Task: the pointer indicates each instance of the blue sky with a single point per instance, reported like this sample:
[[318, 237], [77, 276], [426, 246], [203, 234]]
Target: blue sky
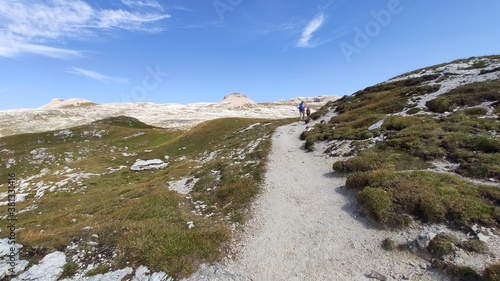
[[198, 51]]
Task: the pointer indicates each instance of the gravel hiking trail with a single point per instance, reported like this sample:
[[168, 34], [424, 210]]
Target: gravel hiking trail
[[306, 225]]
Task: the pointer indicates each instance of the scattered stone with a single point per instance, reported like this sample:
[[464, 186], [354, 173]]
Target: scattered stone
[[7, 269], [190, 224], [142, 165], [110, 276], [376, 125], [49, 268], [182, 186], [142, 274], [407, 276], [482, 237], [424, 239], [377, 275]]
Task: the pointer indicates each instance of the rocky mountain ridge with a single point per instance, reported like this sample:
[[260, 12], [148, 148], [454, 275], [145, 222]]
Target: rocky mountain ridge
[[60, 114]]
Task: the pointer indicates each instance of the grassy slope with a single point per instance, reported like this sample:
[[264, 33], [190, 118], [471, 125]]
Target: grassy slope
[[392, 189], [133, 213]]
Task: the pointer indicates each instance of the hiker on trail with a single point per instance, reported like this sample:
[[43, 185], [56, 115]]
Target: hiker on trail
[[302, 108], [308, 111]]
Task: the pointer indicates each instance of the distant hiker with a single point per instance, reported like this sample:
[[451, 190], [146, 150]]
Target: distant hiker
[[308, 111], [302, 108]]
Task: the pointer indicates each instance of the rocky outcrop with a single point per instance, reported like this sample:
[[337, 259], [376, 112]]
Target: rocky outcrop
[[236, 100]]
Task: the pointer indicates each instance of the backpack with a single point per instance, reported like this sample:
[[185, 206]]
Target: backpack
[[301, 106]]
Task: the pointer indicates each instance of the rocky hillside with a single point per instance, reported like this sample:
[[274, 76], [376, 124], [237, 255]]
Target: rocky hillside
[[424, 147], [61, 114]]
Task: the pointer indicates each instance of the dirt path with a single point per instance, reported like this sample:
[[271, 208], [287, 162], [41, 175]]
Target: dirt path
[[307, 226]]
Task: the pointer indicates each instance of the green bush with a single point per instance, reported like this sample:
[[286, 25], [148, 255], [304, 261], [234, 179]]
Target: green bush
[[69, 269], [377, 203], [442, 245], [338, 167], [309, 144]]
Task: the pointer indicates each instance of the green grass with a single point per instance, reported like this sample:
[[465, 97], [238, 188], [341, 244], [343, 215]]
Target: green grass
[[390, 197], [133, 213]]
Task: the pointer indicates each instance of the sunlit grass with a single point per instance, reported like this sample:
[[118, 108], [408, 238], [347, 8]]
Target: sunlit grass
[[134, 214]]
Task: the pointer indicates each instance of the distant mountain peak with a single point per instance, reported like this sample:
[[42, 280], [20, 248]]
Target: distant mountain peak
[[73, 102], [236, 100]]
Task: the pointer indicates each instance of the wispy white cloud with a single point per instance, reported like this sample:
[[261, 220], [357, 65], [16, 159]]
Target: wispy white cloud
[[39, 24], [310, 29], [11, 47], [95, 75], [180, 8], [111, 19], [138, 3]]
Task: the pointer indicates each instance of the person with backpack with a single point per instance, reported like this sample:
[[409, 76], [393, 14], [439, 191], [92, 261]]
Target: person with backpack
[[302, 109]]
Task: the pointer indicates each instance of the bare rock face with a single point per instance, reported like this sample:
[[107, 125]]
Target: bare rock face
[[236, 100]]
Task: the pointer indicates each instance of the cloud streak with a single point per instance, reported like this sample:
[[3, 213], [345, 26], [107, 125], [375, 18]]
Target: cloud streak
[[150, 3], [95, 75], [35, 26], [310, 29]]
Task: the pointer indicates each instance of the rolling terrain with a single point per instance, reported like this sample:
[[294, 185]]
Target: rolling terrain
[[108, 193]]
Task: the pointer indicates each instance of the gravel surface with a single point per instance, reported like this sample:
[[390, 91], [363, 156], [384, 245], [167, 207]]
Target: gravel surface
[[307, 226]]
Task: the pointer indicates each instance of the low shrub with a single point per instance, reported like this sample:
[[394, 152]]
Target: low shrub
[[377, 203], [475, 246], [309, 144], [388, 244], [413, 110], [442, 245], [69, 269], [428, 196], [475, 111], [492, 272], [465, 273]]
